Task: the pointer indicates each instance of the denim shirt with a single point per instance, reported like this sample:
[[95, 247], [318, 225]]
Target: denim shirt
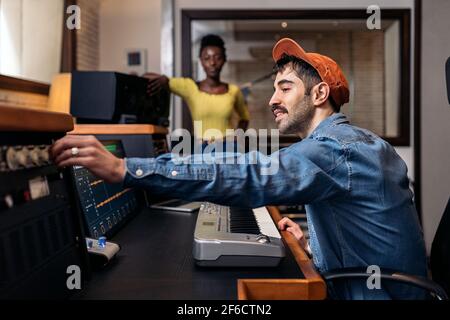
[[354, 186]]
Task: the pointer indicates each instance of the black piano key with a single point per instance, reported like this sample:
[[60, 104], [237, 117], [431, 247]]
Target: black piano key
[[242, 220]]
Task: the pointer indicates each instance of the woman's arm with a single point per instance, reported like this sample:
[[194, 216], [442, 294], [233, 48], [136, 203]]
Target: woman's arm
[[242, 110]]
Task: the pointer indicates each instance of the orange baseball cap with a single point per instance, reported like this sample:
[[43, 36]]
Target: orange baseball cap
[[329, 71]]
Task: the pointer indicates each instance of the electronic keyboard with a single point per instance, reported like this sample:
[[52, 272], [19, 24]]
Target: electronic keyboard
[[236, 237]]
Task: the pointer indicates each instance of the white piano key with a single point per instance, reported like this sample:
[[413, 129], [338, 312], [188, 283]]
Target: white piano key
[[265, 222]]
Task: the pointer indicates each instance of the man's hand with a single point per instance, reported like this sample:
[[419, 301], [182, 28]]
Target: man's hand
[[156, 82], [91, 154], [290, 226]]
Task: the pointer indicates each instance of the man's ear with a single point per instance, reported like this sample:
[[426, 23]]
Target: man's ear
[[320, 93]]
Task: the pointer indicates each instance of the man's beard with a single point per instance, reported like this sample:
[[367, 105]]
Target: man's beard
[[299, 118]]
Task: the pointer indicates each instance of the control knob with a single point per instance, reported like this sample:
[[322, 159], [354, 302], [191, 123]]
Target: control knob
[[17, 157], [39, 155]]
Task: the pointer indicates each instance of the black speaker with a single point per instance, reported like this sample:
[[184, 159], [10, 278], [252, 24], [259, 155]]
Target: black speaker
[[112, 97], [447, 77]]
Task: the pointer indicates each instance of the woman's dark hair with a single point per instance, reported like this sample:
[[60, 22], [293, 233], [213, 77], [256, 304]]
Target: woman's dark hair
[[212, 40]]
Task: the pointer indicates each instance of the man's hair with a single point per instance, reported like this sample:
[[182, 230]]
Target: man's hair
[[213, 40], [305, 72]]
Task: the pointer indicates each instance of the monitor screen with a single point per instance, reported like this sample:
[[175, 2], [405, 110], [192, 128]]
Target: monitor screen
[[105, 207]]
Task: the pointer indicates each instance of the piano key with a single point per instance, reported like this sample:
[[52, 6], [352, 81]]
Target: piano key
[[265, 222], [242, 220]]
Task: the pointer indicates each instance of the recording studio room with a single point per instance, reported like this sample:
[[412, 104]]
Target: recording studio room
[[208, 150]]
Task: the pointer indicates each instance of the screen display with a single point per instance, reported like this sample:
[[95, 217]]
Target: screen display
[[105, 206]]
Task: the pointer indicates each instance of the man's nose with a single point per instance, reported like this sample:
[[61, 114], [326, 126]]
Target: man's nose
[[274, 100]]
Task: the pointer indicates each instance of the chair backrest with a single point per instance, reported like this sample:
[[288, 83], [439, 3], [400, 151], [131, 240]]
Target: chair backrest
[[447, 78], [440, 252]]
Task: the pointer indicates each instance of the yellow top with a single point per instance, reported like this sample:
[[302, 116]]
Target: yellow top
[[213, 110]]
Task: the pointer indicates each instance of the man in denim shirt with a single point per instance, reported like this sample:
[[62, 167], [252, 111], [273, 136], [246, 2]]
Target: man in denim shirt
[[358, 202]]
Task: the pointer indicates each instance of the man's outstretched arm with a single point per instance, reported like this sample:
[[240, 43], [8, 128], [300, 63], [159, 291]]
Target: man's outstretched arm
[[250, 180]]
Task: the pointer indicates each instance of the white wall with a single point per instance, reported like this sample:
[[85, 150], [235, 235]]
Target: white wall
[[30, 38], [130, 24], [435, 114], [10, 37], [42, 38]]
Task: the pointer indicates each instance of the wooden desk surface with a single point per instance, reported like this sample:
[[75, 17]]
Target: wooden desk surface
[[25, 119], [118, 129]]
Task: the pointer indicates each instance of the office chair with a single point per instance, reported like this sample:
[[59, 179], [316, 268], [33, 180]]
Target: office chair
[[439, 261], [440, 251], [447, 77]]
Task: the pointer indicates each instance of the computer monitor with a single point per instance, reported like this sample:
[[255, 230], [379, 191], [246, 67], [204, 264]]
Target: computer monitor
[[105, 207]]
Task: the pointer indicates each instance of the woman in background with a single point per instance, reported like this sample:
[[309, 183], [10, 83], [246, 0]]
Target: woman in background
[[210, 101]]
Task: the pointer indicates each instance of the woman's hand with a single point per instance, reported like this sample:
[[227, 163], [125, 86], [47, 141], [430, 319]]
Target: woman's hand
[[88, 152], [156, 82], [292, 227]]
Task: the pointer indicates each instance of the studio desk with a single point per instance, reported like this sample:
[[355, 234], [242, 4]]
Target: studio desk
[[156, 262]]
